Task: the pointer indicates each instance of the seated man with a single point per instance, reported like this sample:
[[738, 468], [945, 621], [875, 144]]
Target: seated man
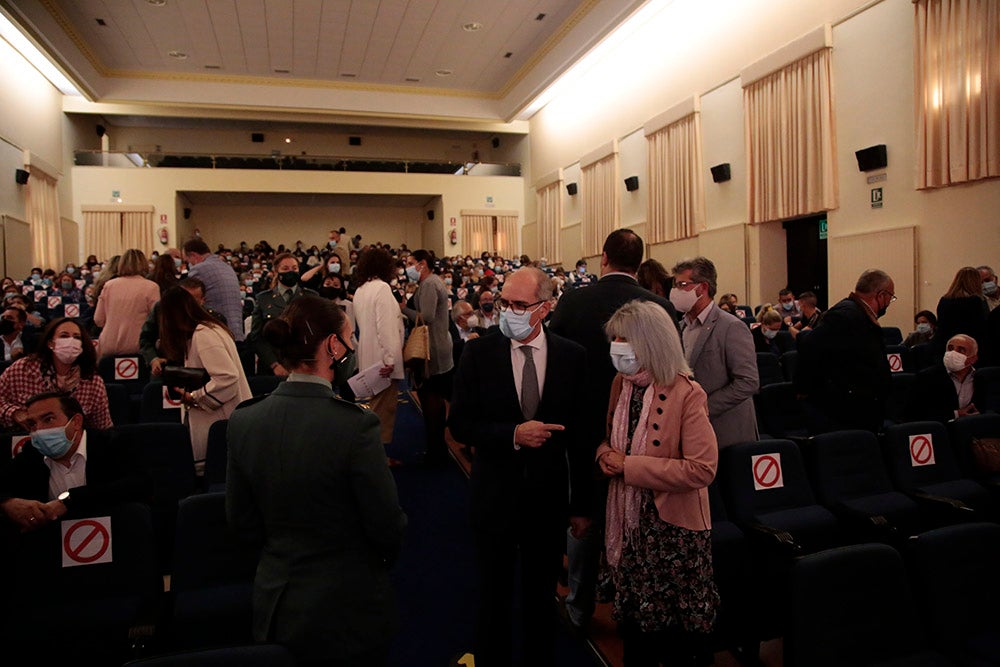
[[810, 314], [945, 391], [789, 307], [66, 470], [12, 322], [486, 315]]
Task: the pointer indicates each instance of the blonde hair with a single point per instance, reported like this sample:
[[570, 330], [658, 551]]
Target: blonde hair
[[653, 337], [967, 282], [769, 316], [133, 263]]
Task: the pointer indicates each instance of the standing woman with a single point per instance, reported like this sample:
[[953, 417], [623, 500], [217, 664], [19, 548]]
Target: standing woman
[[164, 272], [269, 305], [962, 310], [124, 304], [380, 327], [308, 478], [188, 332], [660, 454]]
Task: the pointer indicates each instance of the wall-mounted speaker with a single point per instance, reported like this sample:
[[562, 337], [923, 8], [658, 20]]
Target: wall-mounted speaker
[[430, 214], [21, 176], [632, 183], [873, 157], [571, 189], [187, 213], [721, 173], [354, 141], [257, 137], [496, 142], [101, 130]]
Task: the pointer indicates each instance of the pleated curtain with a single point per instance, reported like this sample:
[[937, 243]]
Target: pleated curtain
[[477, 234], [102, 233], [676, 193], [508, 236], [42, 207], [601, 206], [957, 70], [548, 203], [790, 141], [137, 230]]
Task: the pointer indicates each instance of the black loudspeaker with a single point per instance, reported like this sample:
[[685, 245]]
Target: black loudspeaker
[[632, 183], [571, 189], [871, 158], [354, 141], [257, 137], [496, 142], [101, 130], [430, 214], [21, 176], [187, 213], [720, 173]]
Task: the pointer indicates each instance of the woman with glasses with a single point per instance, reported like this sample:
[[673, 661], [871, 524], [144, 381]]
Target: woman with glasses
[[660, 455], [308, 478]]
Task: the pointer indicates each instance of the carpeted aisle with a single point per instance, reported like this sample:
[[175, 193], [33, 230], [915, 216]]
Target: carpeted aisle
[[435, 575]]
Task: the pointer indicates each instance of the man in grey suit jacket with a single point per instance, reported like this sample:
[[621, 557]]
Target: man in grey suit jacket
[[720, 351]]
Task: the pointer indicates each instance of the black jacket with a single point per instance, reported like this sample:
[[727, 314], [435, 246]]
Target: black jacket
[[933, 397]]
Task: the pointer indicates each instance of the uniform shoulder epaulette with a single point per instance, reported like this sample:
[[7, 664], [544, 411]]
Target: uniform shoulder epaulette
[[251, 401], [353, 405]]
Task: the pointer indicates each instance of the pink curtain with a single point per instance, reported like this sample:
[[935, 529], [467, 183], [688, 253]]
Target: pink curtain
[[548, 202], [676, 193], [42, 205]]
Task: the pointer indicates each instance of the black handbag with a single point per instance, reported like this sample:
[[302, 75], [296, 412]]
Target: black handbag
[[184, 377]]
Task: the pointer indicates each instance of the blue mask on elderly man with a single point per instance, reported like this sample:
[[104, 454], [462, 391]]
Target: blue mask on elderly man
[[515, 327], [51, 442]]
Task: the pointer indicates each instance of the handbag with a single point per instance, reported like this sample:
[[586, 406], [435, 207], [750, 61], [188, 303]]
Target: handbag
[[418, 345], [986, 452], [187, 378]]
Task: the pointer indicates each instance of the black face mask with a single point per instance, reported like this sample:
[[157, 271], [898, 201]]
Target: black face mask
[[487, 307], [344, 367], [288, 278], [331, 292], [6, 327]]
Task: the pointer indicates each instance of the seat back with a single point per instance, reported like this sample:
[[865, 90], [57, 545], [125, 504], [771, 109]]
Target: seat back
[[788, 361], [900, 388], [892, 335], [900, 359], [779, 413], [987, 388], [769, 369], [848, 604], [923, 356], [206, 552], [956, 581], [119, 403], [152, 407], [763, 476], [963, 431], [918, 454], [130, 370], [216, 455], [844, 465]]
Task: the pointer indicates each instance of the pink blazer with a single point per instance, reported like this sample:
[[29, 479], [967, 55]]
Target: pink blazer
[[682, 453]]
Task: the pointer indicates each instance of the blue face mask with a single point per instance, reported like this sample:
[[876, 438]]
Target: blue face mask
[[788, 305], [923, 327], [332, 243], [177, 262], [412, 273], [70, 270], [515, 327], [47, 282], [51, 442], [623, 358]]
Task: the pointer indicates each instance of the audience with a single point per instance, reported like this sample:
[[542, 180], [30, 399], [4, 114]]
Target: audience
[[12, 322], [654, 276], [990, 289], [768, 335], [810, 315], [790, 310]]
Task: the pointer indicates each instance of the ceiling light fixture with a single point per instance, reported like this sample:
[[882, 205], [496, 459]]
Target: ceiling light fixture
[[413, 79], [156, 3], [35, 57], [101, 22], [444, 72], [348, 75], [288, 140], [178, 55], [472, 27]]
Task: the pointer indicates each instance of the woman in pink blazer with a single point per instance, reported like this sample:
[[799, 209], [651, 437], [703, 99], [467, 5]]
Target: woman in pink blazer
[[660, 455]]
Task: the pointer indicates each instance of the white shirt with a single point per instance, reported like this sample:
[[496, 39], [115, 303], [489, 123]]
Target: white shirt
[[691, 330], [11, 347], [62, 478]]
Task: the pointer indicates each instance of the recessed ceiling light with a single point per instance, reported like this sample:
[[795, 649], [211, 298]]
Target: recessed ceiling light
[[444, 72], [472, 27], [213, 66], [540, 17], [179, 55], [156, 3], [508, 54], [281, 71], [288, 140], [413, 79]]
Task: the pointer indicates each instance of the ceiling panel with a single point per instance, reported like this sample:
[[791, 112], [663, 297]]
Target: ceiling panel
[[253, 32], [306, 30], [280, 33]]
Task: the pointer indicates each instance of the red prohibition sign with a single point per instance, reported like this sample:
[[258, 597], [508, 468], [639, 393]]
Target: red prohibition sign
[[762, 470], [895, 363], [921, 450], [127, 368], [170, 401], [98, 530]]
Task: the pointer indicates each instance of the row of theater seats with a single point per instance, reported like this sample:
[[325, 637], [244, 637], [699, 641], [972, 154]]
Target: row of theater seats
[[776, 501]]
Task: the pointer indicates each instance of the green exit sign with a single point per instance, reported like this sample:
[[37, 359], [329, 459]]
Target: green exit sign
[[822, 230]]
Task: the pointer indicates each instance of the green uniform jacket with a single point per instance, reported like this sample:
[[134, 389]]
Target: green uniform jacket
[[267, 306], [308, 477]]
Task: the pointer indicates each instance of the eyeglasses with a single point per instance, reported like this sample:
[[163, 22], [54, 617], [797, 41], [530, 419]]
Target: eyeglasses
[[892, 297], [517, 307], [685, 284]]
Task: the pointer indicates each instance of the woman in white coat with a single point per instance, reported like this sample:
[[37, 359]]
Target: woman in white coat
[[380, 330], [188, 332]]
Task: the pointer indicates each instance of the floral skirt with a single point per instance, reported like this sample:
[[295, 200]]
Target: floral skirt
[[664, 578]]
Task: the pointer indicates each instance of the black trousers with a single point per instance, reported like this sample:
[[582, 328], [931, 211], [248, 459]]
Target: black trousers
[[434, 395]]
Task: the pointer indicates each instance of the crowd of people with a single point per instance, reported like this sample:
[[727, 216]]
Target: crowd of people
[[598, 473]]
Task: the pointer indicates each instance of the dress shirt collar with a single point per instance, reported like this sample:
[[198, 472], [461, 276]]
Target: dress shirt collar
[[538, 343], [306, 377]]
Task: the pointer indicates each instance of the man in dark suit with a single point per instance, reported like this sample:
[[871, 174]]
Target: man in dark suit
[[66, 470], [581, 316], [946, 391], [531, 468]]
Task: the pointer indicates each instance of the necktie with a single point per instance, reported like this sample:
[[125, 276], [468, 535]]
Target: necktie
[[529, 384], [288, 296]]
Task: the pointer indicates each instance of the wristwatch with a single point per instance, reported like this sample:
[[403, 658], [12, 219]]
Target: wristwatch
[[64, 498]]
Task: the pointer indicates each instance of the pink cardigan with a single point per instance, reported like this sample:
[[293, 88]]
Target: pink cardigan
[[121, 311], [682, 453]]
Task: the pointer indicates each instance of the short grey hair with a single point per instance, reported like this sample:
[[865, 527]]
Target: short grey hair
[[988, 269], [969, 341], [459, 309], [702, 271], [871, 281], [653, 337]]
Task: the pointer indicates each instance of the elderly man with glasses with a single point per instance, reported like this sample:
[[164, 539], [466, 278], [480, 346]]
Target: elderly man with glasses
[[843, 373]]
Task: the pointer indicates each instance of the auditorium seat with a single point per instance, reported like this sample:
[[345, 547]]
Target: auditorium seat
[[892, 336], [962, 432], [211, 582], [216, 456], [789, 360], [151, 408], [923, 465], [767, 492], [924, 356], [119, 403], [987, 384], [853, 605], [905, 357], [133, 371], [769, 369], [779, 412], [957, 585], [900, 388], [850, 479]]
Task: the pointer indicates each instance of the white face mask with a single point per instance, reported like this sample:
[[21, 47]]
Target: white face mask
[[769, 333], [623, 358], [683, 300], [954, 361]]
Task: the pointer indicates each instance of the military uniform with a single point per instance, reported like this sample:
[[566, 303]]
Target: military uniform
[[269, 305]]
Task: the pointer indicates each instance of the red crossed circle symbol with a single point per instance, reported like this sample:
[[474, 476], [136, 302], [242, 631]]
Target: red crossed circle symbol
[[97, 531], [921, 449], [895, 363], [766, 471], [127, 368]]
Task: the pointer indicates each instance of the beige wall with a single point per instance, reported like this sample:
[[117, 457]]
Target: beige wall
[[667, 61], [159, 188]]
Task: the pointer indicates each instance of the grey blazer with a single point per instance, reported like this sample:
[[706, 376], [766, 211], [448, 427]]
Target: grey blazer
[[724, 362], [431, 300]]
